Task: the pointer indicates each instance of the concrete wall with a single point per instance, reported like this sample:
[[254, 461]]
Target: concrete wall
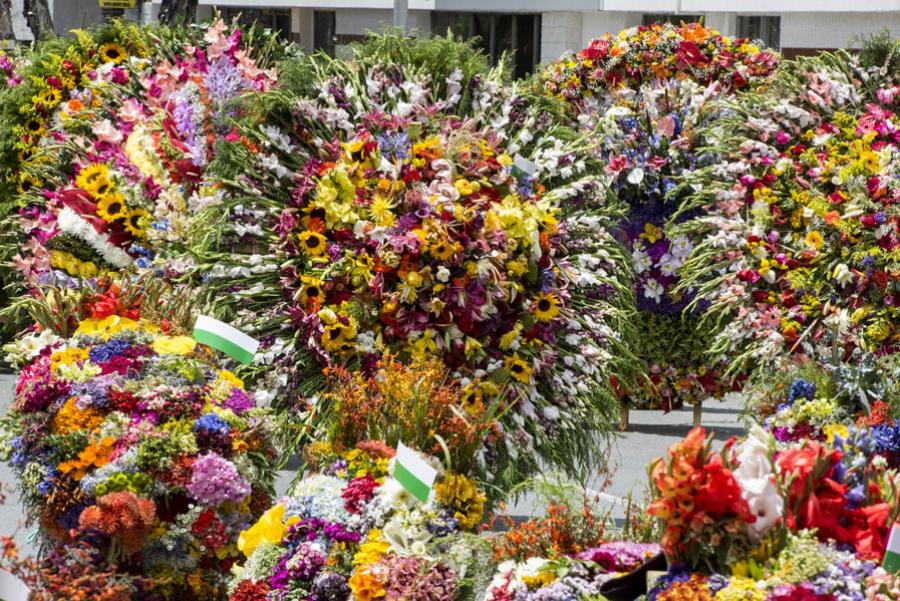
[[74, 14], [805, 30], [349, 22]]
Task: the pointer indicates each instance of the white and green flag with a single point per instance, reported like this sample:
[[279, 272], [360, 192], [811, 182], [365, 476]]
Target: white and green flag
[[225, 338], [892, 555], [413, 473]]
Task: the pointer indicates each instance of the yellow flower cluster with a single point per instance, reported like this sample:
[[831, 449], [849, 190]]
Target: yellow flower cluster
[[74, 266], [462, 495], [72, 419]]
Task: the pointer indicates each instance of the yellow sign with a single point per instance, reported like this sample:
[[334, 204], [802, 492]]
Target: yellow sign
[[117, 3]]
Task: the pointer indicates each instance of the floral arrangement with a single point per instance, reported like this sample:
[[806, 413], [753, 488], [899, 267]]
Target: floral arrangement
[[415, 404], [802, 219], [642, 95], [743, 503], [129, 439], [415, 211], [804, 569], [122, 167], [579, 578], [350, 530], [651, 53]]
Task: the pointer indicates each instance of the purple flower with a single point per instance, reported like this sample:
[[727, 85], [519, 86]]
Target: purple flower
[[215, 480]]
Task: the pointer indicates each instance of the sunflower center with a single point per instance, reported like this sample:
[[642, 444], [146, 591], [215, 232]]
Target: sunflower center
[[112, 54], [516, 368], [34, 125], [312, 241], [114, 208], [312, 292], [544, 305]]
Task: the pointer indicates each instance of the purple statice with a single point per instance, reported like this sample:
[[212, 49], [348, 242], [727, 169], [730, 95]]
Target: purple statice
[[238, 400], [223, 81], [215, 480], [843, 578], [620, 556]]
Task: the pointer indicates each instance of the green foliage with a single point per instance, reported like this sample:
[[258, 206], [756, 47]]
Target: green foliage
[[880, 50]]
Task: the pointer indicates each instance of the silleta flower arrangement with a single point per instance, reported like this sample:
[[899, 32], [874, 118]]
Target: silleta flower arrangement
[[129, 438], [804, 569], [803, 221], [349, 530], [122, 167], [417, 211], [642, 95]]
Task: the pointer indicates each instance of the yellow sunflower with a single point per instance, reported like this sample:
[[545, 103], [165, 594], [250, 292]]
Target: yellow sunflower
[[339, 336], [89, 176], [27, 182], [112, 52], [25, 155], [133, 222], [442, 250], [312, 243], [312, 293], [518, 368], [313, 212], [546, 306], [112, 207], [50, 97], [34, 126]]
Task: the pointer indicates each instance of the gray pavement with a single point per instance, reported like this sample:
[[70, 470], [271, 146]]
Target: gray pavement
[[648, 437]]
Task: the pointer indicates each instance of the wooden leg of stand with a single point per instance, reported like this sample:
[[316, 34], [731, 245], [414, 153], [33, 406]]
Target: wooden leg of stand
[[623, 416], [698, 414]]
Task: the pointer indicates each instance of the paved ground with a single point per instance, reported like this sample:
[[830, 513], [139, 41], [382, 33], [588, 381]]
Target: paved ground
[[650, 434]]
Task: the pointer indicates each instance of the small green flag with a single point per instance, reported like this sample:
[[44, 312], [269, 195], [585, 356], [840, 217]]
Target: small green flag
[[225, 338], [413, 473], [892, 555]]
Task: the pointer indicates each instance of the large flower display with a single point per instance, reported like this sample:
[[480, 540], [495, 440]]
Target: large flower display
[[121, 168], [396, 208], [643, 94], [803, 230], [351, 531], [128, 438]]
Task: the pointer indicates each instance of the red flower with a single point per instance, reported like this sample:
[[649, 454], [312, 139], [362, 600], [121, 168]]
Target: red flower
[[358, 492]]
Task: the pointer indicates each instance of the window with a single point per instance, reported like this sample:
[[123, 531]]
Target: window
[[324, 31], [496, 33], [276, 19], [651, 18], [762, 28]]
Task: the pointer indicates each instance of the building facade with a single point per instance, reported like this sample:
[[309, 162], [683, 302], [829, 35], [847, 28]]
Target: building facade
[[535, 31]]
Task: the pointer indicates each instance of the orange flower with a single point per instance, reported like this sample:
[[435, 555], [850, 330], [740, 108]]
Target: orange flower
[[367, 584]]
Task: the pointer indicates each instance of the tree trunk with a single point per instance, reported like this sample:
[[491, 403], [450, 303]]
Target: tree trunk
[[177, 12], [37, 15], [6, 28]]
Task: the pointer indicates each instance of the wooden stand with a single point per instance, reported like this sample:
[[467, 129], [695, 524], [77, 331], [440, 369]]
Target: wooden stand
[[623, 416], [698, 414]]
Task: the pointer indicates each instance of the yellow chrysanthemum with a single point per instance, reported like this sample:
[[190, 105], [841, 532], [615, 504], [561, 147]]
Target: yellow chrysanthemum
[[72, 419], [174, 345], [68, 356]]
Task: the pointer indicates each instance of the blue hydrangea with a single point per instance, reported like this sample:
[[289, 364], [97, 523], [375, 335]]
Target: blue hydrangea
[[211, 423], [102, 353], [801, 389]]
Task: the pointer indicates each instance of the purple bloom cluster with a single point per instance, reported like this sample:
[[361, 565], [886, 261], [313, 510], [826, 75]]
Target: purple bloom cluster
[[620, 556], [215, 480]]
